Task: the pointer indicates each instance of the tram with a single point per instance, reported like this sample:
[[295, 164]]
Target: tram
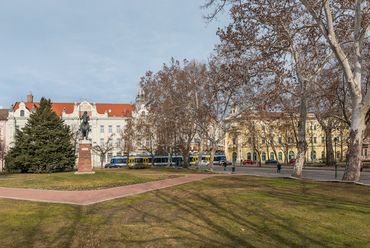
[[160, 160]]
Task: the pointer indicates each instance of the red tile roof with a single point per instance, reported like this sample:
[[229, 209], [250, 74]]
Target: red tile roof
[[117, 110]]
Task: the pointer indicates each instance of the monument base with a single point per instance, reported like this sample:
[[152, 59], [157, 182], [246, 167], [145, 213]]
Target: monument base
[[84, 158]]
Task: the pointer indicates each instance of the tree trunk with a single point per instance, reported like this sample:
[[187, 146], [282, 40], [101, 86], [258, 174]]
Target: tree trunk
[[302, 144], [200, 152], [330, 159], [352, 170], [213, 152]]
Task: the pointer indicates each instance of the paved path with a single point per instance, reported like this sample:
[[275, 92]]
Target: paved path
[[94, 196]]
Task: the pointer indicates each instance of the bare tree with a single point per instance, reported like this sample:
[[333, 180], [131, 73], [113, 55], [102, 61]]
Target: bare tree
[[103, 149], [128, 137], [279, 45], [3, 153]]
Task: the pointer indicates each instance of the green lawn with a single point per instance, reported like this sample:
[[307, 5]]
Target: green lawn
[[235, 211], [103, 178]]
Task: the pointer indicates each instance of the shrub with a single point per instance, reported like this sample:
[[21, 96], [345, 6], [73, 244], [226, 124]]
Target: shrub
[[139, 166]]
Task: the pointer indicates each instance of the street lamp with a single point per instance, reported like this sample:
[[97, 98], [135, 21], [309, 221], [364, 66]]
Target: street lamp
[[311, 142], [335, 154]]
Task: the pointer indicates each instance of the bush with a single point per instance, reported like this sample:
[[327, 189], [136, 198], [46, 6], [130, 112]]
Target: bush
[[139, 166]]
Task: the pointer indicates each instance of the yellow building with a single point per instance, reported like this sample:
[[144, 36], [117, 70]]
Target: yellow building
[[274, 137]]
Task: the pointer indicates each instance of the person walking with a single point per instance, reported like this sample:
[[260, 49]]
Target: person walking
[[278, 167], [362, 166], [224, 164]]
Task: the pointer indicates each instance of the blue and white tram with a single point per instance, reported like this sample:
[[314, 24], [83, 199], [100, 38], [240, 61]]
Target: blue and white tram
[[160, 160]]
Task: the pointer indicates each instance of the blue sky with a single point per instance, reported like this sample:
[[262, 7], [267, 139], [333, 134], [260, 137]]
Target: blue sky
[[69, 50]]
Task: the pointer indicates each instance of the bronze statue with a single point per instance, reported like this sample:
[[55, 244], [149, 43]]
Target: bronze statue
[[85, 127]]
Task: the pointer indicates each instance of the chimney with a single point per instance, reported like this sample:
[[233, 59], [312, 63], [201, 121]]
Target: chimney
[[30, 97]]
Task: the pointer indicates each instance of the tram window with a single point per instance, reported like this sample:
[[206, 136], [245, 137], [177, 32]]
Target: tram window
[[120, 160]]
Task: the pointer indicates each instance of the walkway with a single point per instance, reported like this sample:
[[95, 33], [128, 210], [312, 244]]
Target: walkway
[[94, 196]]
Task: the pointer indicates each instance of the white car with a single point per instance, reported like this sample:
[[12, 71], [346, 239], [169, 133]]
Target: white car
[[318, 160], [203, 163]]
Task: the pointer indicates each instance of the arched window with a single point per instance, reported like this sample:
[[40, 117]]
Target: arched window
[[271, 156], [291, 155], [22, 112], [322, 154], [263, 156], [249, 156], [255, 156], [280, 156]]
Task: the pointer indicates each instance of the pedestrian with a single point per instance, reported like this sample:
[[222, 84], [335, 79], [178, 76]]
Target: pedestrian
[[362, 166], [224, 164], [278, 167]]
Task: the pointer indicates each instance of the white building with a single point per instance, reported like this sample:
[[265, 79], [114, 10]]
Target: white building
[[105, 120]]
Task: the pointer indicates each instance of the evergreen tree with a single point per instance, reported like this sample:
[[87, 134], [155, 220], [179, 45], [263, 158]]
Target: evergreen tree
[[43, 143]]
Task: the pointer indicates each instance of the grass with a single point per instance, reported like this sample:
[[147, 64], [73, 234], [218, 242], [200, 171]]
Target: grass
[[235, 211], [103, 178]]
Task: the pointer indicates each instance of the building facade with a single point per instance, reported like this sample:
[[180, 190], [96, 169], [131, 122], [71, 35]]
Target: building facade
[[275, 138], [107, 122]]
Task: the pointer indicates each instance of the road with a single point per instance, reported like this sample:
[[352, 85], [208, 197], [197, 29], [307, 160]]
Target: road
[[313, 173]]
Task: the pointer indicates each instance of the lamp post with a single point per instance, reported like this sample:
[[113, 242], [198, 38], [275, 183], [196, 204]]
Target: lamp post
[[311, 142], [335, 154]]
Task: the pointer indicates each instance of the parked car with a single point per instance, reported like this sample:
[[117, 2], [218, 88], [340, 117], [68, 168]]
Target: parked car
[[204, 163], [222, 162], [292, 160], [112, 166], [248, 161], [318, 160], [270, 161]]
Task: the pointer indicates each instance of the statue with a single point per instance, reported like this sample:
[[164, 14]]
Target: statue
[[85, 127]]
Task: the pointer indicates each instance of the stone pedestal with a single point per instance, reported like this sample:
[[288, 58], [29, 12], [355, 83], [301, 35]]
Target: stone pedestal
[[84, 158]]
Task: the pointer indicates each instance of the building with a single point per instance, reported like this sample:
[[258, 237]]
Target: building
[[274, 137], [107, 121], [3, 130]]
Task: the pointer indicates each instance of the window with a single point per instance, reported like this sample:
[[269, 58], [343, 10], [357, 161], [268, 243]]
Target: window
[[314, 140], [147, 142], [118, 141], [101, 129], [139, 142], [118, 129], [101, 142], [249, 156], [110, 143], [314, 127], [272, 156], [17, 127], [263, 156], [323, 139], [110, 129], [291, 155], [322, 154], [255, 156], [280, 156], [22, 112], [249, 140], [126, 143], [280, 140], [109, 156], [234, 141]]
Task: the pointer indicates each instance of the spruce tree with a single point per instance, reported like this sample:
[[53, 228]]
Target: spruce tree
[[43, 143]]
